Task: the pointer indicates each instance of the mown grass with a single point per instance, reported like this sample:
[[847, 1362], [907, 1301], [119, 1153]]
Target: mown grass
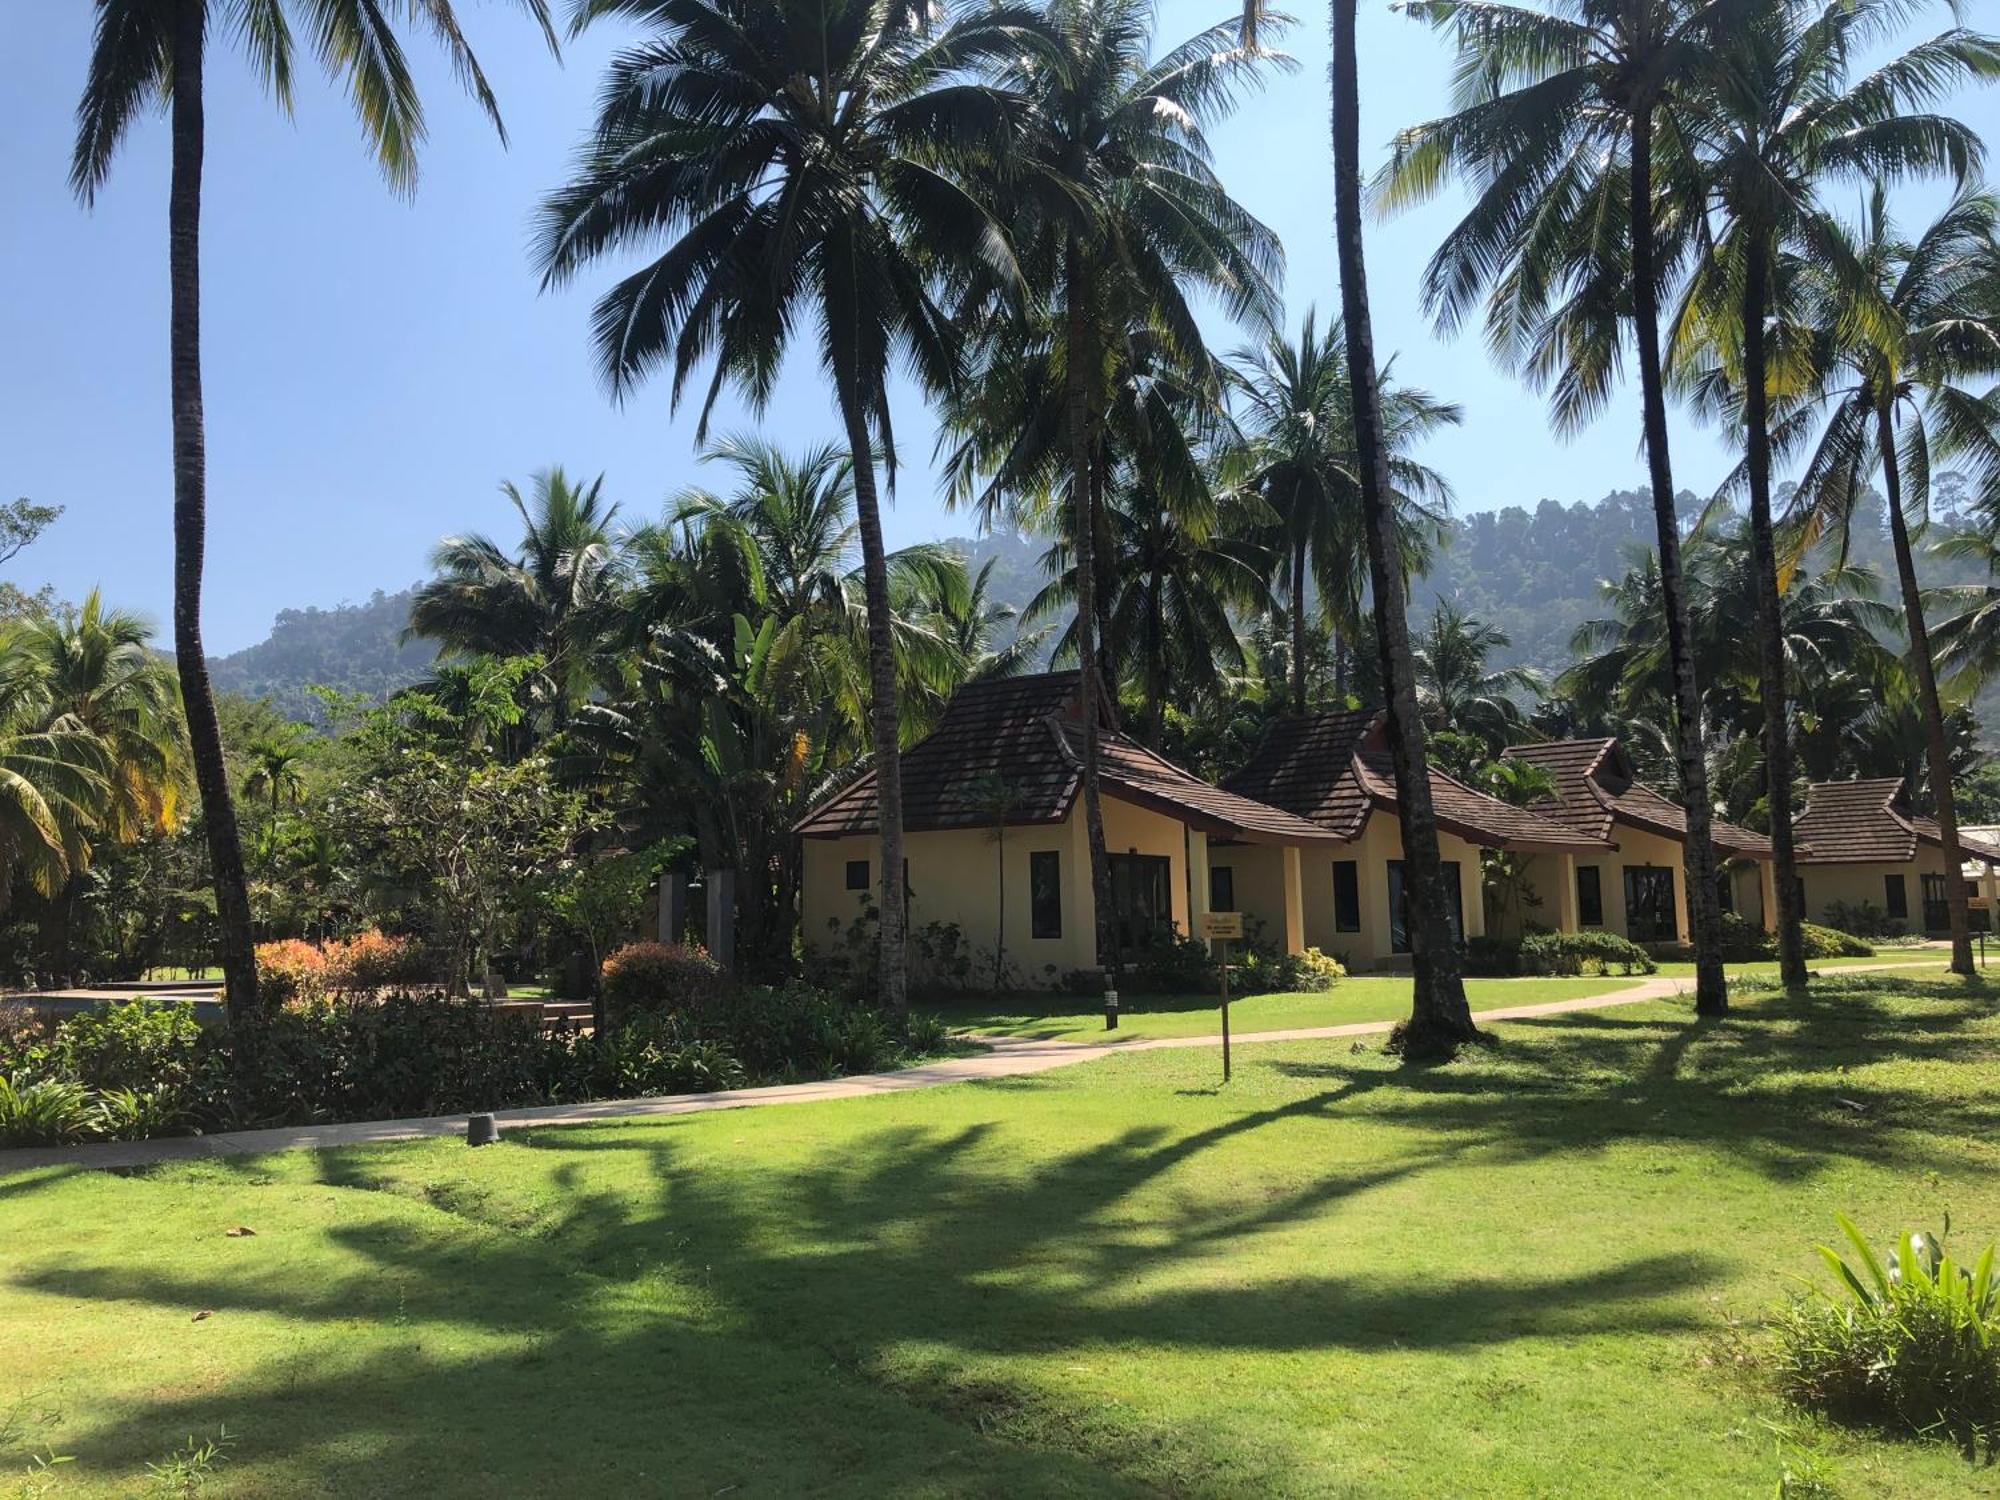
[[1536, 1271], [1063, 1017]]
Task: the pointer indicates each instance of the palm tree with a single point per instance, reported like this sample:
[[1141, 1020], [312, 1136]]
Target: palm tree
[[1118, 211], [1900, 390], [1559, 112], [1440, 1021], [274, 771], [1301, 458], [1770, 117], [802, 162], [153, 51], [549, 598], [1457, 689], [96, 671]]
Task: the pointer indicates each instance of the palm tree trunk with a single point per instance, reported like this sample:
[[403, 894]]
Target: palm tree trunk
[[1440, 1021], [893, 964], [1925, 671], [1770, 620], [1299, 627], [1156, 661], [1711, 986], [211, 772], [1083, 493]]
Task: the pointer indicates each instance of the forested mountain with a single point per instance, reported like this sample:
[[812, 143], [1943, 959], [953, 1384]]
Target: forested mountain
[[1534, 574], [352, 647]]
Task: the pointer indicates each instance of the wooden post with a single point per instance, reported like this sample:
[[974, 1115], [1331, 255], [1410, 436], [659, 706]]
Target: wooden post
[[722, 918], [1225, 1009], [1219, 927], [673, 908]]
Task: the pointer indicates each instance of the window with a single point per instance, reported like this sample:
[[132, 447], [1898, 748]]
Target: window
[[1650, 913], [1045, 893], [1221, 888], [1346, 896], [1399, 923], [857, 874], [1589, 896], [1937, 906], [1895, 896], [1142, 906]]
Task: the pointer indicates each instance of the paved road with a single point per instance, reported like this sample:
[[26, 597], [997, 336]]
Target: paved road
[[1007, 1058]]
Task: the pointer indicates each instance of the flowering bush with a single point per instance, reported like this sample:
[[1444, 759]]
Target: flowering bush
[[291, 972], [372, 960], [674, 978]]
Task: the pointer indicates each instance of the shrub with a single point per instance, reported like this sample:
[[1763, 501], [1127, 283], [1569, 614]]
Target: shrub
[[372, 960], [1266, 971], [291, 972], [1824, 942], [651, 1055], [1566, 953], [1489, 957], [43, 1111], [127, 1044], [1745, 942], [1170, 965], [1911, 1346], [672, 978], [1862, 919], [137, 1114]]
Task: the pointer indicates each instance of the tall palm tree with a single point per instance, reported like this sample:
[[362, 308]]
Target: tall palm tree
[[274, 771], [1440, 1020], [1899, 389], [1118, 211], [1458, 690], [154, 52], [801, 162], [550, 597], [1771, 116], [1300, 457], [1559, 110], [55, 777]]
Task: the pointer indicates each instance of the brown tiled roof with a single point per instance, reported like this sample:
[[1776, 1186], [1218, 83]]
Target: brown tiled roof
[[1869, 822], [1335, 769], [1596, 789], [1025, 731]]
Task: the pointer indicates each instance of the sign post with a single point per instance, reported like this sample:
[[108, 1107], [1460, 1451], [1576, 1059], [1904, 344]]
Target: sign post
[[1219, 927]]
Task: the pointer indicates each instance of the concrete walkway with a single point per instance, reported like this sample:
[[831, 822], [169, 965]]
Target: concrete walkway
[[1008, 1058]]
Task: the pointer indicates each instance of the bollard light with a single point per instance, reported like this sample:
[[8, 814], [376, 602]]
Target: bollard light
[[1111, 1010], [481, 1130]]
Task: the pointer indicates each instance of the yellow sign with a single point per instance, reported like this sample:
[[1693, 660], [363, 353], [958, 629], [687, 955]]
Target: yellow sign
[[1221, 924]]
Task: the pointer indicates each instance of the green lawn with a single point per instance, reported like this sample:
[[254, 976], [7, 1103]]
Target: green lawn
[[1049, 1017], [1538, 1271], [1769, 968]]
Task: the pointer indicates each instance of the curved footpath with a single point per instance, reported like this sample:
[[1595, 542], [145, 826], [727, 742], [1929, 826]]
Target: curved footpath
[[1007, 1058]]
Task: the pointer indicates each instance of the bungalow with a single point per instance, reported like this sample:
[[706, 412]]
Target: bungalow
[[1334, 770], [1642, 892], [995, 843], [1859, 842]]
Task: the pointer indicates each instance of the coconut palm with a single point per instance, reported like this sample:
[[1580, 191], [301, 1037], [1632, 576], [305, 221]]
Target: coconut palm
[[1440, 1020], [1119, 214], [96, 671], [148, 52], [550, 597], [1459, 691], [1899, 388], [1771, 115], [274, 771], [1298, 416], [1560, 109], [832, 204]]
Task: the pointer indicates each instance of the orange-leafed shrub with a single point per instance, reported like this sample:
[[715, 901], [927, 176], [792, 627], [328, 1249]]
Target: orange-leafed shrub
[[291, 972], [659, 977], [373, 960]]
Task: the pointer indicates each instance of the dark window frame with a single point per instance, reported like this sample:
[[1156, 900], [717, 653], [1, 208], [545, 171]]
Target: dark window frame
[[1137, 878], [852, 883], [1896, 895], [1222, 888], [1045, 905], [1659, 878], [1590, 897], [1348, 920]]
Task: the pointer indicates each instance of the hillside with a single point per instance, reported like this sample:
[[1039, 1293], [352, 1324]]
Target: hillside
[[352, 647]]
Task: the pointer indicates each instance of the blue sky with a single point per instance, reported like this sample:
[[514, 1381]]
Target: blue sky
[[376, 366]]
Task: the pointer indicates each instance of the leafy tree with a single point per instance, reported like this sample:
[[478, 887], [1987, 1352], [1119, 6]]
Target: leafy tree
[[1455, 687], [835, 206], [155, 51], [600, 900], [274, 771]]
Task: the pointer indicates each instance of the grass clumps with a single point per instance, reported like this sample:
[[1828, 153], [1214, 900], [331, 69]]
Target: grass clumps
[[1908, 1343]]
